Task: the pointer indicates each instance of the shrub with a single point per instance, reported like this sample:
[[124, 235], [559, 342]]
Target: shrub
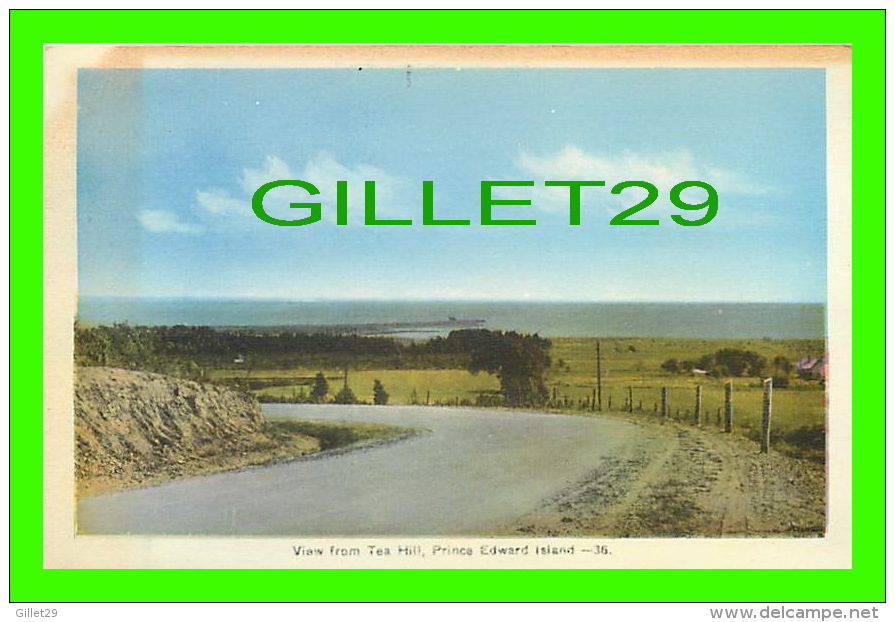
[[489, 399], [345, 396], [380, 396], [321, 388], [780, 382], [670, 366]]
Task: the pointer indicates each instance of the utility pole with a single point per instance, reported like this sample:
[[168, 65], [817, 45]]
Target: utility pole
[[728, 406], [766, 416], [697, 407], [599, 380]]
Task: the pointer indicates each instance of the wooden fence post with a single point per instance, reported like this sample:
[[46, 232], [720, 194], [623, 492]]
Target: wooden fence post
[[728, 406], [664, 403], [630, 399], [766, 416], [697, 407]]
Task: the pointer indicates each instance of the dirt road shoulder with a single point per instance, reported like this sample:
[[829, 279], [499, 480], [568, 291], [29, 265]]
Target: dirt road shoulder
[[675, 480]]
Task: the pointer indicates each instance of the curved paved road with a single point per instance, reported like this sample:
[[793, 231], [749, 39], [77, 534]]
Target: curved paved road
[[476, 472]]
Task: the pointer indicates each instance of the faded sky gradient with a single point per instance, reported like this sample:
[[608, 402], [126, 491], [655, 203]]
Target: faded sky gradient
[[168, 160]]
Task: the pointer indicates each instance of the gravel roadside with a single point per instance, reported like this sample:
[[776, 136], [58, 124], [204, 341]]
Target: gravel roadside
[[682, 481]]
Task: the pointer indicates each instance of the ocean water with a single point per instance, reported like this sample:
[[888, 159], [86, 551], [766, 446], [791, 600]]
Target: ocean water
[[422, 319]]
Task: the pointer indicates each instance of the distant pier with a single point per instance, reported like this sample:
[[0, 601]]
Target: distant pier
[[373, 328]]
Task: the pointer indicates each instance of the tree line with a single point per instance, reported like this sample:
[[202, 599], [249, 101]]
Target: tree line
[[733, 362], [519, 361]]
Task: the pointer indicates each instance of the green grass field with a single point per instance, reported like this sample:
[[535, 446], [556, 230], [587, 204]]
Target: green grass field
[[637, 363], [626, 362], [441, 385]]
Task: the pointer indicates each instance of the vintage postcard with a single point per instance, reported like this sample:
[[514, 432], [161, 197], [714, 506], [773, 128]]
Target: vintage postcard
[[447, 307]]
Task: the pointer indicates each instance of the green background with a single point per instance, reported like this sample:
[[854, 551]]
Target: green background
[[30, 30]]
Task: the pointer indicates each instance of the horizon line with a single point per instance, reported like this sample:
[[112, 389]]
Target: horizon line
[[250, 298]]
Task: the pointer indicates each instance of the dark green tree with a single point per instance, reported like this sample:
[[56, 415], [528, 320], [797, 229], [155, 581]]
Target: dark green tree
[[735, 362], [518, 360], [345, 396], [780, 371], [781, 366], [380, 396], [670, 365], [321, 388]]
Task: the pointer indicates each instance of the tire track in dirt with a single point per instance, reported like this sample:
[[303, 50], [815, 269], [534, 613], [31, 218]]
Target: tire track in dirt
[[729, 503], [680, 481]]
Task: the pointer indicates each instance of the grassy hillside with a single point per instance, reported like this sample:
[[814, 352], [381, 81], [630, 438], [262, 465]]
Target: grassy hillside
[[282, 365], [798, 415]]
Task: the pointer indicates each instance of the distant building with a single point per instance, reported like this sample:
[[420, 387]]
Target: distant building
[[812, 367]]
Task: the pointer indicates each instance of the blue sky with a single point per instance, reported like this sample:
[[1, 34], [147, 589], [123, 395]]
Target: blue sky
[[168, 160]]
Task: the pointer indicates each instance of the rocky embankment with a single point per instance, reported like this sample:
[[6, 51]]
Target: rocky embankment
[[135, 428]]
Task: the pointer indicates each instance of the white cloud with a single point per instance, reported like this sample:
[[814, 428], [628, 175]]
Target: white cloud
[[274, 169], [663, 170], [323, 171], [222, 202], [162, 221]]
